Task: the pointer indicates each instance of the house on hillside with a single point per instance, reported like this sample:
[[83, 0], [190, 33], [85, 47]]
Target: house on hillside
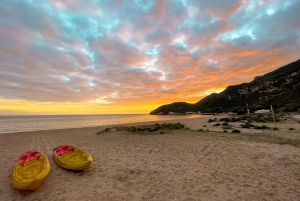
[[190, 112]]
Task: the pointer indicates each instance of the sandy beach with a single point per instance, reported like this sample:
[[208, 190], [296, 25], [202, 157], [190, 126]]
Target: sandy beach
[[177, 165]]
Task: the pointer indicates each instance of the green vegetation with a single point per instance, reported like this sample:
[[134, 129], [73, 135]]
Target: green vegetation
[[254, 118], [100, 132], [147, 128], [234, 135], [247, 125], [240, 112], [233, 119], [261, 127], [212, 120]]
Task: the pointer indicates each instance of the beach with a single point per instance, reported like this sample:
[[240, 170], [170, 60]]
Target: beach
[[177, 165]]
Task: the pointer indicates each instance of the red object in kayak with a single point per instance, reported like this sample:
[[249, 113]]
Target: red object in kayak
[[72, 158], [63, 149], [29, 156]]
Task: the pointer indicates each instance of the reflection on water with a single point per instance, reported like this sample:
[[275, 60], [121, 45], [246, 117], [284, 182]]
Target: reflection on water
[[9, 124]]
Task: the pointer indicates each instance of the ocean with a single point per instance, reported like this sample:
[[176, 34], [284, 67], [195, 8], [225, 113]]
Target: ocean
[[11, 124]]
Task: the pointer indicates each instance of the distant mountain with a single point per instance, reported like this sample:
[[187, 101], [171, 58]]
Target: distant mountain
[[279, 88]]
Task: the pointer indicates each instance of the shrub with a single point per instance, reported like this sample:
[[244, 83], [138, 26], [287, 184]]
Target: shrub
[[240, 112], [283, 109], [245, 117], [169, 125], [180, 125], [227, 119], [291, 129], [204, 125], [225, 124], [200, 130], [161, 133], [264, 127], [236, 131], [247, 125], [99, 132], [217, 124], [132, 129], [225, 131], [275, 128], [261, 127], [210, 120], [235, 119]]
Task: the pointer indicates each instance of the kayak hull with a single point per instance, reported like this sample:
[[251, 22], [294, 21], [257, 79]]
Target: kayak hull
[[72, 158], [29, 175]]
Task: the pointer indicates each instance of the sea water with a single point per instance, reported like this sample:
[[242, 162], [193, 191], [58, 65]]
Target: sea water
[[10, 124]]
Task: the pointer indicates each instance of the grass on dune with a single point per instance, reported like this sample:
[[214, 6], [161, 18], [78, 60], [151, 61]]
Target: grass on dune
[[168, 127]]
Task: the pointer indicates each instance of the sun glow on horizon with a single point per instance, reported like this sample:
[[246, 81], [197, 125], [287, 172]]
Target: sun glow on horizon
[[21, 107]]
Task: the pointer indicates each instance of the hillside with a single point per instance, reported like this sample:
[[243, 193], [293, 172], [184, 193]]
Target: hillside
[[279, 88]]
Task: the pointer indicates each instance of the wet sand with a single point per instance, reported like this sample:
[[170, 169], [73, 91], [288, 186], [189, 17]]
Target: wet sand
[[177, 165]]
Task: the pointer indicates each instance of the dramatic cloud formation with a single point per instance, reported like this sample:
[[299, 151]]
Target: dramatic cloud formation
[[114, 56]]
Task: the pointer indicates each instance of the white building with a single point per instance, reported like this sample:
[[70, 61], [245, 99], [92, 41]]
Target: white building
[[189, 112], [262, 111]]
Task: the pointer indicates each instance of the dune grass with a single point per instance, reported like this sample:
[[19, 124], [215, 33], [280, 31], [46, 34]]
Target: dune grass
[[147, 129], [158, 129]]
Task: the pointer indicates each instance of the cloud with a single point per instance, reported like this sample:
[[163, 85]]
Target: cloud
[[140, 52]]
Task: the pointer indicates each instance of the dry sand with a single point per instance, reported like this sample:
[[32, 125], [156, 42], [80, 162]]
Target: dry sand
[[178, 165]]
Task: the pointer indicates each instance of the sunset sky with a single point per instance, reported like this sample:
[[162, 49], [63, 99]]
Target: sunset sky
[[131, 56]]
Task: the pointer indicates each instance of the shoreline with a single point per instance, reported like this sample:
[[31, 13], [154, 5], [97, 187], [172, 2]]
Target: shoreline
[[134, 123], [194, 123]]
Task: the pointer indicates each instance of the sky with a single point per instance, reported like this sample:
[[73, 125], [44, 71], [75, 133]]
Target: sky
[[131, 56]]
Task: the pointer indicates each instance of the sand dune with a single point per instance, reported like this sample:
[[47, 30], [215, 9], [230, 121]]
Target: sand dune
[[178, 165]]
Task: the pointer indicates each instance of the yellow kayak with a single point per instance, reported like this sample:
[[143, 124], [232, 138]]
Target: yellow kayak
[[30, 171], [72, 158]]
